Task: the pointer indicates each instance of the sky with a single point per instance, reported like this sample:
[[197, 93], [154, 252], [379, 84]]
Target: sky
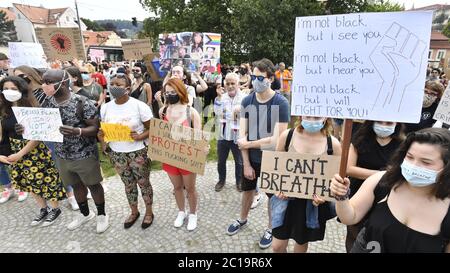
[[92, 9], [125, 9]]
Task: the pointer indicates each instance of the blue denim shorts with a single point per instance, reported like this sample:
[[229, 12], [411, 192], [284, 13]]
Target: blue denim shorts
[[4, 175]]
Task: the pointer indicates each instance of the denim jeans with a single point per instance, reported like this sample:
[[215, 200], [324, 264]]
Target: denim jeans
[[223, 149], [4, 176]]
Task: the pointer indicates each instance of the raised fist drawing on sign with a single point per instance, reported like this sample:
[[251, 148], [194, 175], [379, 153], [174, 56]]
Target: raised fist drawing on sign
[[397, 59]]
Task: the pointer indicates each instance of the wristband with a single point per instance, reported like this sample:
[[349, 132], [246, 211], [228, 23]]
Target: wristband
[[345, 197]]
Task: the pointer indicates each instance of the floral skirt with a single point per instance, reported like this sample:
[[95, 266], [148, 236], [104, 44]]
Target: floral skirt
[[36, 172]]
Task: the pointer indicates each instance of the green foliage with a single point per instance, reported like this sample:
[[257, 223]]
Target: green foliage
[[7, 30], [92, 25], [383, 6]]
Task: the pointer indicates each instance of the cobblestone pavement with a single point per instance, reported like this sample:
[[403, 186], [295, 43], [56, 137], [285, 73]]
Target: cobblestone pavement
[[216, 211]]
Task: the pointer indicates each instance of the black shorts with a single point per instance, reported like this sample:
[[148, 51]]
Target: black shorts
[[250, 185]]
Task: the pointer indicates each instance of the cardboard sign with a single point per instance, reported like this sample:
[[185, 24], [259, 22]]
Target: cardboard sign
[[29, 54], [150, 60], [116, 132], [39, 123], [177, 145], [61, 43], [298, 175], [443, 110], [368, 66], [137, 49]]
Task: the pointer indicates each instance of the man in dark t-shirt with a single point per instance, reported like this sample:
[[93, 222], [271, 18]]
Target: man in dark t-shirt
[[264, 116]]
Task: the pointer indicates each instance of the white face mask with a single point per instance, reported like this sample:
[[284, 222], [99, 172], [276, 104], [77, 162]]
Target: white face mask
[[12, 95]]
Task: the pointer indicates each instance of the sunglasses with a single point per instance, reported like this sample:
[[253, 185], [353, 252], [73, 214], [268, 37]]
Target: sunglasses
[[49, 82], [260, 78], [84, 72], [136, 70]]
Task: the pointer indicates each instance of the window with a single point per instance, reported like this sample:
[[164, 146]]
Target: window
[[67, 19], [430, 53], [440, 55]]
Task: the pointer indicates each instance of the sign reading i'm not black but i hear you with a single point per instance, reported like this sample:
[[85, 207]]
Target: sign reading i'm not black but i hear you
[[298, 175]]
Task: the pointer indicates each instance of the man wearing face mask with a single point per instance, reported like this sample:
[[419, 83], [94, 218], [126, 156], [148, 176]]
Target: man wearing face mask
[[432, 94], [77, 155], [264, 116], [227, 108]]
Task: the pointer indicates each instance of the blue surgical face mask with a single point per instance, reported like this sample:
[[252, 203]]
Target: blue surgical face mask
[[383, 131], [312, 126], [260, 86], [86, 77], [417, 176]]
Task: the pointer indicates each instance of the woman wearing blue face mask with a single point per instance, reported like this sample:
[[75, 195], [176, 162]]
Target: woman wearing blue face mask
[[304, 220], [373, 145], [409, 204], [95, 90]]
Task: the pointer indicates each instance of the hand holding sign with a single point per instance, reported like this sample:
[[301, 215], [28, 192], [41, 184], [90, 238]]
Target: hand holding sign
[[402, 51], [339, 187]]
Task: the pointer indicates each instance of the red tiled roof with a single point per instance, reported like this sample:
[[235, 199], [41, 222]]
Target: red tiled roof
[[9, 14], [437, 36], [92, 38], [40, 15]]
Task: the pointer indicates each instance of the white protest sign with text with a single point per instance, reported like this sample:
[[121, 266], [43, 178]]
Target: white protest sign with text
[[298, 175], [443, 110], [361, 66], [39, 123], [29, 54]]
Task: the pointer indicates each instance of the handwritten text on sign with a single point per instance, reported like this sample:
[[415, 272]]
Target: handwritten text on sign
[[116, 132], [178, 146], [137, 49], [298, 175], [361, 66], [443, 110], [39, 123], [29, 54]]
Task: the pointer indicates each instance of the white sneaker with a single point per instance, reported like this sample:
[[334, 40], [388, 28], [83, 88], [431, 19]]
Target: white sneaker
[[256, 200], [79, 220], [180, 219], [22, 196], [192, 222], [6, 195], [102, 223], [73, 203]]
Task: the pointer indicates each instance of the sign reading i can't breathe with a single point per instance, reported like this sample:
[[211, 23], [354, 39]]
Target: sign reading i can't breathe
[[298, 175], [177, 145], [368, 66]]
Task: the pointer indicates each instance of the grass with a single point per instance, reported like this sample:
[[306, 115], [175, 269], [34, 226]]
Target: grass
[[108, 168]]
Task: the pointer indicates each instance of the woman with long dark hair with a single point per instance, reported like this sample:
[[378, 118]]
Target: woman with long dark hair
[[408, 206]]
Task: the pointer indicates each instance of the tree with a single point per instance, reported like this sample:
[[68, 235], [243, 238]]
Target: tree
[[446, 30], [92, 25], [7, 30]]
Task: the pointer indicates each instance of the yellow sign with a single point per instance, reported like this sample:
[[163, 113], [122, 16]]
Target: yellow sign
[[116, 132]]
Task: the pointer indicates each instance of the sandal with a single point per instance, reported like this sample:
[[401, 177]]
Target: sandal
[[147, 224], [127, 225]]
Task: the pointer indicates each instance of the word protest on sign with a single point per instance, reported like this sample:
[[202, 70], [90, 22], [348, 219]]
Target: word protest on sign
[[298, 175], [443, 110], [368, 66], [195, 51], [178, 145], [39, 123], [29, 54], [61, 43], [116, 132], [137, 49]]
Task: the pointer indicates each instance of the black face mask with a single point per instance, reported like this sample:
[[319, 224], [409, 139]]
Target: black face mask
[[172, 99], [243, 71]]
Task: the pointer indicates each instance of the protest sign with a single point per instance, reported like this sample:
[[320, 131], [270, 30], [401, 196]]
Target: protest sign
[[193, 50], [29, 54], [361, 66], [298, 175], [178, 145], [443, 110], [151, 62], [61, 43], [137, 49], [116, 132], [97, 55], [39, 123]]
